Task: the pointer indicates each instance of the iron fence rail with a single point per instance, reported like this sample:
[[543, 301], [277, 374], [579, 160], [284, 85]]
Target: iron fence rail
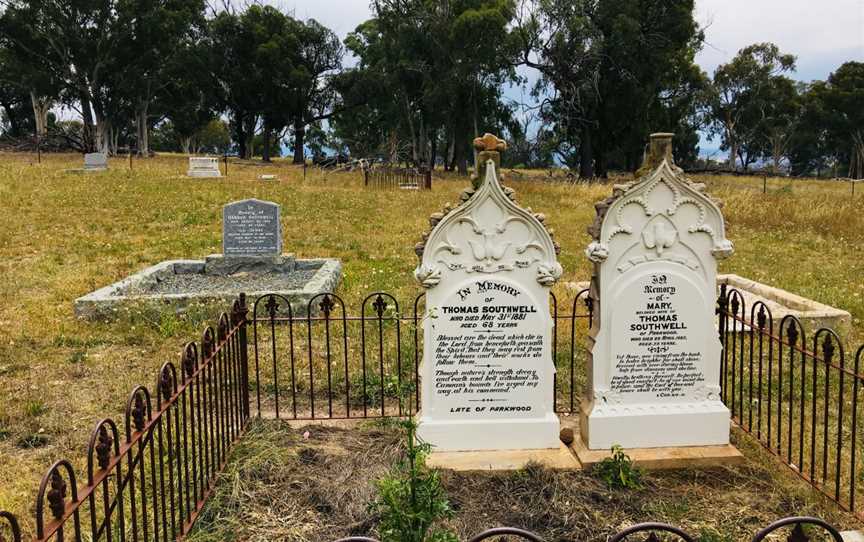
[[340, 364], [797, 398], [151, 481], [799, 528]]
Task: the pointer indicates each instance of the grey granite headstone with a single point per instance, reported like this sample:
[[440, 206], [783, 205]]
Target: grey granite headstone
[[251, 228], [95, 161]]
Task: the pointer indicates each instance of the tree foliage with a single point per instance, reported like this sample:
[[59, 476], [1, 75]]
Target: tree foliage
[[595, 77]]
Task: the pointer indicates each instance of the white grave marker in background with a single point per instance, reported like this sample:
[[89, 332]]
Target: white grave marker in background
[[203, 166], [654, 368], [488, 374]]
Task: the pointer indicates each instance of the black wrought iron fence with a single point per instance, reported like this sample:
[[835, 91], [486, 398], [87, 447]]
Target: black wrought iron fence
[[150, 482], [797, 397], [340, 364], [797, 529], [388, 177]]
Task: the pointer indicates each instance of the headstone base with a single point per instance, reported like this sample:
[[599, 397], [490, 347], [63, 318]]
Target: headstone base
[[469, 435], [202, 174], [642, 426], [560, 458], [674, 457], [216, 264]]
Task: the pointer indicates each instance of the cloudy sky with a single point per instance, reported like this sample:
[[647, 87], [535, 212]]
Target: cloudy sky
[[821, 33]]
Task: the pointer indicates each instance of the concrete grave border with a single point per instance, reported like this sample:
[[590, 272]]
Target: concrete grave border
[[106, 303]]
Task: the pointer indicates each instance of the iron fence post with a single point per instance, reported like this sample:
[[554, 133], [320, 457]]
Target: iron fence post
[[39, 151], [764, 184], [242, 313]]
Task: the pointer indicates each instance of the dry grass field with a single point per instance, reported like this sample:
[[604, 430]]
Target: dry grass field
[[65, 234]]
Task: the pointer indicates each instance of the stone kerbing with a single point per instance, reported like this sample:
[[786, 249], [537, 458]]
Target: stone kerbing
[[782, 302], [106, 302]]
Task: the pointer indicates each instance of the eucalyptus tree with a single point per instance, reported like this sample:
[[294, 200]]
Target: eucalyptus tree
[[439, 66], [103, 55], [740, 93], [611, 72], [843, 96], [313, 83]]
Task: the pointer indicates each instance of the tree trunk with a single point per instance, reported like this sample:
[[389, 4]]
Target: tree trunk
[[586, 155], [103, 136], [733, 155], [299, 141], [265, 152], [433, 151], [185, 144], [599, 157], [14, 125], [250, 137], [41, 106], [90, 137], [143, 131], [240, 134]]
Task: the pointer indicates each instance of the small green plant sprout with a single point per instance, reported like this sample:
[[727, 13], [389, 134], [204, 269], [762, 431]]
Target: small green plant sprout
[[618, 470], [411, 500]]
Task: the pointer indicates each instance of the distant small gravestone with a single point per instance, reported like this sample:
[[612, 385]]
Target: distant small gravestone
[[251, 228], [95, 161], [654, 365], [203, 166]]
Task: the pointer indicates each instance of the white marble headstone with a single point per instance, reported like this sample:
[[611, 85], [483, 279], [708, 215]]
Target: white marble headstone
[[488, 375], [203, 166], [654, 368], [95, 161]]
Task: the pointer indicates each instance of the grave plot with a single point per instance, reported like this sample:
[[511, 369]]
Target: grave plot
[[315, 483], [251, 262]]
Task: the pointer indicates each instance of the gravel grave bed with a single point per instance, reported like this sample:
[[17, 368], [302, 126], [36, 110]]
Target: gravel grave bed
[[240, 282]]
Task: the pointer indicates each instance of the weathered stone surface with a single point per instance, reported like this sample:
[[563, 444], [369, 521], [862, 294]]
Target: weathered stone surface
[[488, 373], [654, 368], [219, 265], [251, 228], [115, 300], [812, 314], [95, 161], [204, 166]]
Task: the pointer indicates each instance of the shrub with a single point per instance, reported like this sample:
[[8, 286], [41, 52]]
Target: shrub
[[410, 499], [618, 471]]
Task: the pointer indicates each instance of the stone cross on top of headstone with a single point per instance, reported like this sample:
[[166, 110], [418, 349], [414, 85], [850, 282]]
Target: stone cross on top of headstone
[[654, 367], [488, 374], [488, 147]]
